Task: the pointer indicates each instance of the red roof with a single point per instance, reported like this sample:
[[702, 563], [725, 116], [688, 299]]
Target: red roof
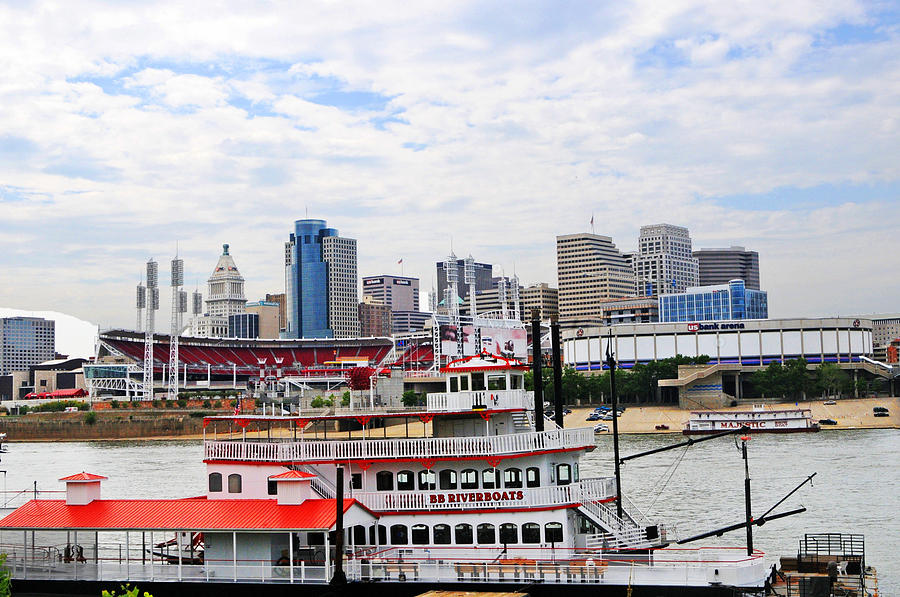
[[484, 361], [292, 476], [71, 393], [196, 514], [83, 476]]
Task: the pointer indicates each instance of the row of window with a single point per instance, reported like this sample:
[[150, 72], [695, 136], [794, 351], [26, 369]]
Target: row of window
[[512, 478], [462, 534]]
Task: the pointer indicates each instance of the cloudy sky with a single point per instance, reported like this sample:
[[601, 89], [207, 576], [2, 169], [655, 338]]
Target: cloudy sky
[[128, 127]]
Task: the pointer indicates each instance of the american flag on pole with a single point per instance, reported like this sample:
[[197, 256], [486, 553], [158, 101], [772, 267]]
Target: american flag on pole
[[399, 262]]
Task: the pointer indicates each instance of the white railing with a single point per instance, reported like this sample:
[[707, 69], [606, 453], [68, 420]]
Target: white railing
[[388, 449], [587, 489], [491, 399]]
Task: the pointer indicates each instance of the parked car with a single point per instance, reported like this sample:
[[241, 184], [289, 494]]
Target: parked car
[[600, 428], [879, 409], [593, 417], [567, 412], [827, 422], [829, 402], [606, 417], [882, 413], [662, 427]]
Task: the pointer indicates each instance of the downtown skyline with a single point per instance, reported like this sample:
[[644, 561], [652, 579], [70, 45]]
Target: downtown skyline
[[128, 129]]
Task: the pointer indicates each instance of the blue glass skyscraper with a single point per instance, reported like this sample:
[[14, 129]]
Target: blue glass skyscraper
[[306, 281]]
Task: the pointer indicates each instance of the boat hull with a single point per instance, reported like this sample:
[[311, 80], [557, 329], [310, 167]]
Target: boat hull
[[753, 431]]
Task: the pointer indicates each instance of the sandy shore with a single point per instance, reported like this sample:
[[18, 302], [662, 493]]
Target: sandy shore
[[849, 414]]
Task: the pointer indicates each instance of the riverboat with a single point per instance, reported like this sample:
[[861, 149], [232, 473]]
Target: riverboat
[[469, 492], [758, 420]]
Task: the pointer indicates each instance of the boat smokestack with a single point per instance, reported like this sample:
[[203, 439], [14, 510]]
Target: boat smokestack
[[536, 370], [339, 578], [557, 371]]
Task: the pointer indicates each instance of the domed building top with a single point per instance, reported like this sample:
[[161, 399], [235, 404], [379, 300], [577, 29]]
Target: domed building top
[[225, 267]]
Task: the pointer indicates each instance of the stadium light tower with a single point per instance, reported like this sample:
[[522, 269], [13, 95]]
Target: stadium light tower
[[152, 298], [141, 304], [514, 291], [179, 306], [501, 295], [469, 272]]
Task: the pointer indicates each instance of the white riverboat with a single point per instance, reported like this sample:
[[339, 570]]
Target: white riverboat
[[465, 491], [758, 420]]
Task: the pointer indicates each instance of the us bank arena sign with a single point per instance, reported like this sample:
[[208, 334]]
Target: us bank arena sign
[[477, 496], [703, 327]]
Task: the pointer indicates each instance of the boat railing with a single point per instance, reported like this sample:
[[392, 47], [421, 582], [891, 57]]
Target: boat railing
[[467, 400], [488, 499], [389, 449], [14, 499]]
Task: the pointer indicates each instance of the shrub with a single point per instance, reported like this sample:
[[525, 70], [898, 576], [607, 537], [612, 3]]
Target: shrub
[[90, 418], [165, 403], [182, 403], [114, 403], [321, 402], [23, 410], [217, 404], [207, 403], [232, 403], [5, 577], [155, 403]]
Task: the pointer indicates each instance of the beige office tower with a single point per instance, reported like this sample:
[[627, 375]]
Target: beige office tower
[[343, 291], [269, 317], [590, 270]]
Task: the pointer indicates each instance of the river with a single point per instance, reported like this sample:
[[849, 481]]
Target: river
[[695, 489]]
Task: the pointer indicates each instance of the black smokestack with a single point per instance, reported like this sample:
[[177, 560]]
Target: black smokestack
[[536, 370], [557, 372]]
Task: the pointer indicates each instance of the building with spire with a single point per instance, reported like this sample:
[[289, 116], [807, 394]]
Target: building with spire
[[225, 297]]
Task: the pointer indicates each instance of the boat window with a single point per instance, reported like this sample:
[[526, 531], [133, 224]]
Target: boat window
[[509, 533], [426, 480], [489, 478], [356, 481], [477, 382], [486, 533], [512, 478], [454, 383], [448, 479], [575, 472], [359, 535], [272, 487], [420, 534], [215, 482], [468, 479], [464, 382], [531, 532], [563, 474], [406, 481], [533, 476], [496, 382], [516, 382], [234, 483], [441, 534], [399, 534], [382, 535], [463, 534], [553, 532], [315, 538], [384, 481]]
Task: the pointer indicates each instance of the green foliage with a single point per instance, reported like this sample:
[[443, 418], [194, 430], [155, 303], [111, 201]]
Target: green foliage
[[90, 418], [23, 410], [155, 403], [411, 398], [217, 404], [182, 403], [207, 404], [59, 406], [5, 577], [788, 380], [114, 403], [831, 380], [321, 402], [345, 399], [126, 591], [232, 403]]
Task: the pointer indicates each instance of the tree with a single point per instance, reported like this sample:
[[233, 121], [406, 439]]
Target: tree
[[832, 380], [410, 398], [360, 378]]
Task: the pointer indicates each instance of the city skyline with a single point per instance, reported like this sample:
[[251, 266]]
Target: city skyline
[[130, 129]]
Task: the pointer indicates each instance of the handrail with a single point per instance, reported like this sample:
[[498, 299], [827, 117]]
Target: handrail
[[390, 449]]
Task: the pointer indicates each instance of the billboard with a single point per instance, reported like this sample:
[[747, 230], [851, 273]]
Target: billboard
[[450, 335], [505, 342]]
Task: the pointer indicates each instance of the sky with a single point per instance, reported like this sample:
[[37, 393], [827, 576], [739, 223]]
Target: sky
[[128, 129]]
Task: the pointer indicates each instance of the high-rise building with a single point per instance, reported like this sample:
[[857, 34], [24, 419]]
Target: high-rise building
[[268, 313], [540, 296], [718, 266], [225, 297], [282, 308], [243, 325], [590, 269], [664, 263], [721, 302], [320, 283], [484, 273], [634, 309], [374, 318], [400, 293], [25, 341]]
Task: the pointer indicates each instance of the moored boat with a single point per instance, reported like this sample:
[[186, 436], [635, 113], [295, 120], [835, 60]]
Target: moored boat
[[758, 420]]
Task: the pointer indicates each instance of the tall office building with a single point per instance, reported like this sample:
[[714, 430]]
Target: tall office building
[[400, 293], [590, 269], [282, 308], [269, 314], [25, 341], [719, 266], [484, 273], [320, 283], [540, 296], [374, 318], [721, 302], [664, 263], [225, 297]]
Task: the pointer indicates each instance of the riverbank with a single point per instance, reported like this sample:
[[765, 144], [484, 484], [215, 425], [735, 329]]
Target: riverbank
[[848, 413]]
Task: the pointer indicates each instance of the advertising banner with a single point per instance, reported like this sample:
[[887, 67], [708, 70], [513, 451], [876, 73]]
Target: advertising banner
[[505, 342]]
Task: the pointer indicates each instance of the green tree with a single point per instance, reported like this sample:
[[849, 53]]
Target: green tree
[[90, 418], [411, 398], [5, 577], [831, 380]]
